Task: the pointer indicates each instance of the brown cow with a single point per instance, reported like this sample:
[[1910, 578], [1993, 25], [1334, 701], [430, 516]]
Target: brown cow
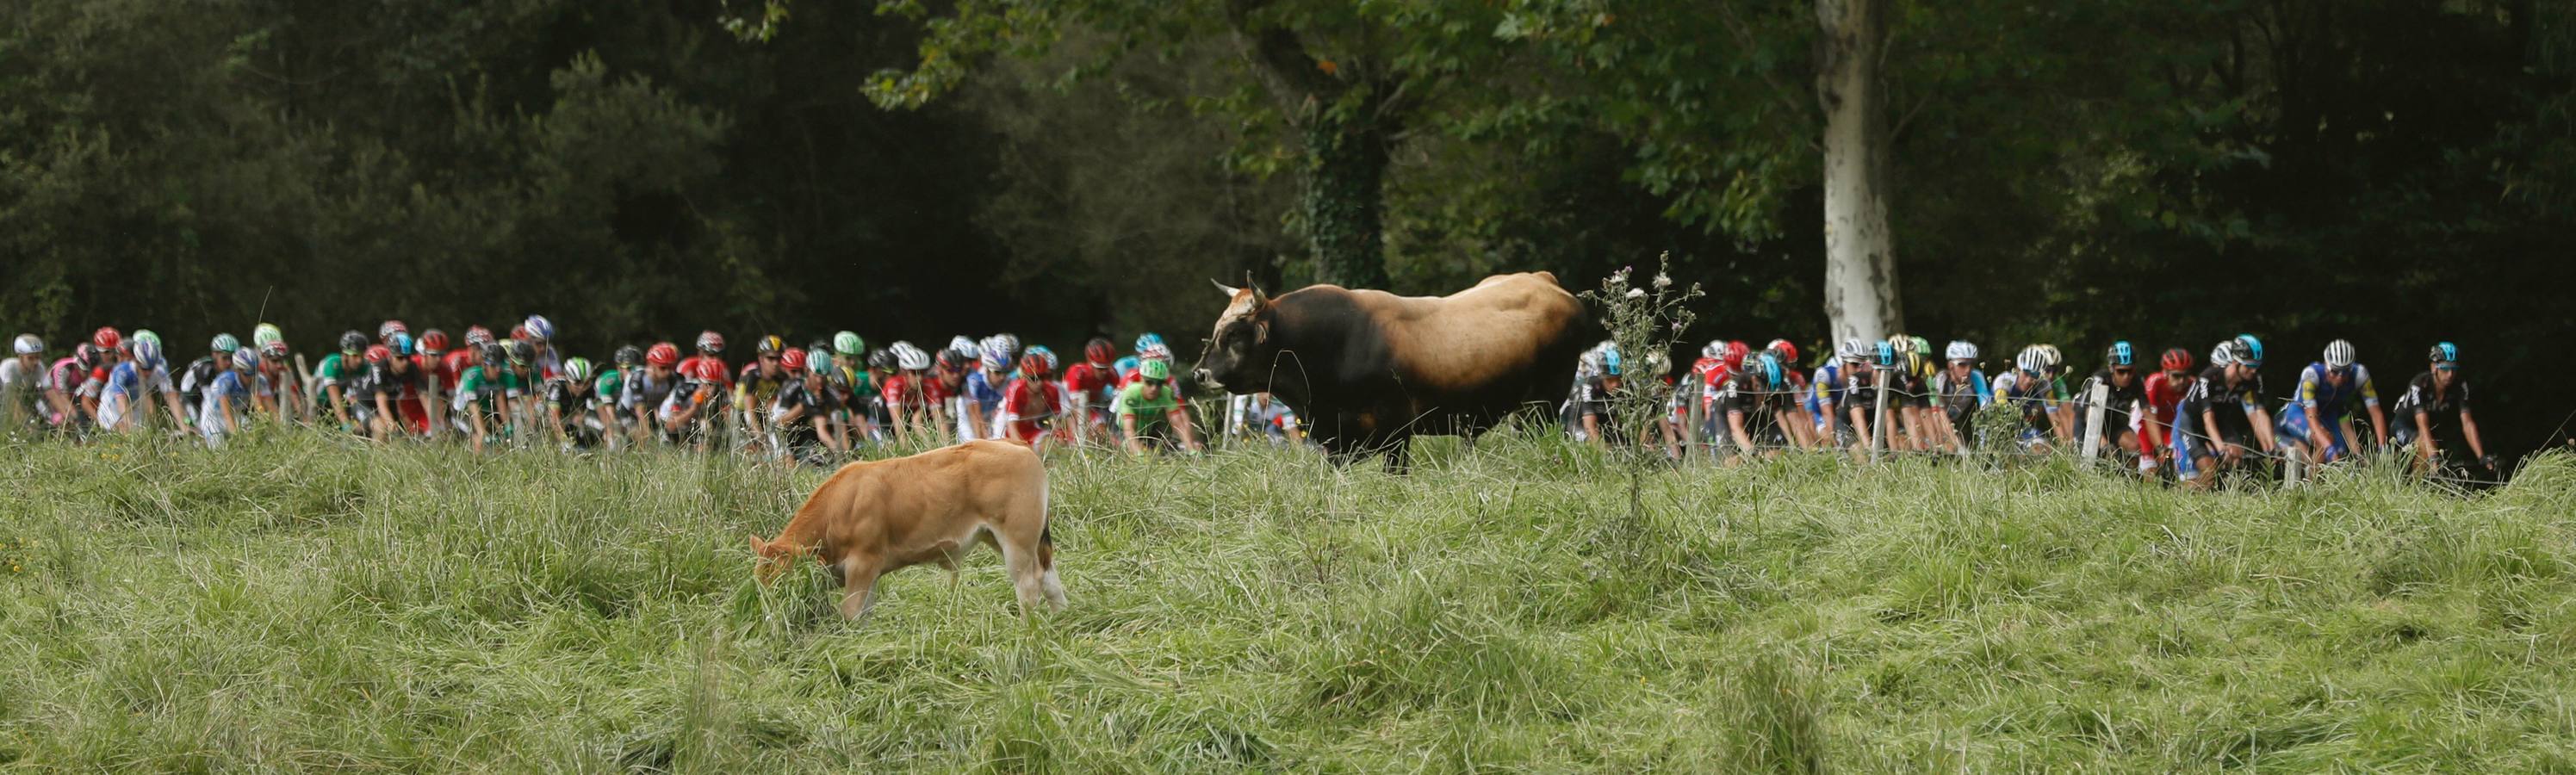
[[872, 518]]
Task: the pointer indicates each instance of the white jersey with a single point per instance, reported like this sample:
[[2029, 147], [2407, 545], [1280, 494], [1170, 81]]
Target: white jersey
[[15, 375]]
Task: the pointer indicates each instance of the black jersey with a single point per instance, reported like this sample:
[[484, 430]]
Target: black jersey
[[2440, 409]]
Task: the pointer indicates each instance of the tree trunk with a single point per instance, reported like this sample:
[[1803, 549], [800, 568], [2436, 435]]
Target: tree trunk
[[1344, 199], [1860, 250]]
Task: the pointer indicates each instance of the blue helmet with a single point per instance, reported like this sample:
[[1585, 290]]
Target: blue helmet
[[2445, 352], [1148, 340], [1886, 355], [400, 344], [2251, 343], [147, 355], [1610, 361], [1770, 370], [2122, 355], [540, 328]]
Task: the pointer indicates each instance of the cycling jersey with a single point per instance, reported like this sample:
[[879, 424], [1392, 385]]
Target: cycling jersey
[[1761, 407], [2440, 408], [755, 390], [22, 388], [1592, 399], [2231, 403], [335, 369], [2124, 399], [815, 403], [1093, 381], [609, 386], [1028, 408], [123, 393], [194, 379], [707, 396], [986, 391], [575, 405], [1961, 398], [644, 390], [2163, 396], [1151, 411], [2322, 399], [452, 367], [226, 384], [482, 389], [1819, 395]]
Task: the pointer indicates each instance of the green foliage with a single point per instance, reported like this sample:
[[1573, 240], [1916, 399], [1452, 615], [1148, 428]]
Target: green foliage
[[293, 603]]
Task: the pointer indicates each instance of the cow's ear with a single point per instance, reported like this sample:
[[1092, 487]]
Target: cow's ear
[[758, 547], [1229, 291]]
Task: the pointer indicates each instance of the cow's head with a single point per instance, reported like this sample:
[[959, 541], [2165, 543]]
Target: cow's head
[[1239, 353], [771, 558]]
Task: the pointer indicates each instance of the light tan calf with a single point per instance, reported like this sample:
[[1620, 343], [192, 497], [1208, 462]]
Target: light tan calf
[[873, 518]]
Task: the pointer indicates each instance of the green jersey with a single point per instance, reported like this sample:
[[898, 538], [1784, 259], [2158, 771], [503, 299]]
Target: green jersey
[[1147, 411], [610, 384], [334, 370], [475, 390]]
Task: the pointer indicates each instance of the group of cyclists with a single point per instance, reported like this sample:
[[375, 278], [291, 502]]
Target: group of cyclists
[[815, 403], [2174, 416]]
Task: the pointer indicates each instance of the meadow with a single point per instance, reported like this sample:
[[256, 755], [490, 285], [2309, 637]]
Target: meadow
[[304, 603]]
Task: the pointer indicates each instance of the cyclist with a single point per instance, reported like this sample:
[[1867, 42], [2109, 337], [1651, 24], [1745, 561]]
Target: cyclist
[[2436, 417], [1149, 408], [159, 383], [576, 410], [710, 346], [2220, 420], [1826, 387], [858, 384], [335, 371], [481, 408], [1756, 400], [1958, 393], [402, 390], [1593, 399], [385, 332], [541, 335], [457, 362], [756, 390], [2027, 389], [641, 396], [225, 402], [201, 372], [981, 396], [1801, 426], [2120, 372], [807, 412], [1908, 378], [696, 405], [27, 386], [1089, 385], [1031, 403], [125, 401], [1260, 415], [2317, 425], [2160, 397], [947, 386], [907, 393]]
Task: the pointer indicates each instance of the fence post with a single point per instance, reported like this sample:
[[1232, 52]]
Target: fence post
[[2097, 397], [1878, 419]]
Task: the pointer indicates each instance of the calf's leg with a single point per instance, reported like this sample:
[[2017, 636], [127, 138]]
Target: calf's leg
[[858, 586]]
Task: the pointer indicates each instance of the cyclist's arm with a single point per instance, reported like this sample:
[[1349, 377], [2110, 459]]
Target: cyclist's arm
[[1127, 426], [1735, 428], [2379, 423], [2263, 426], [2469, 429]]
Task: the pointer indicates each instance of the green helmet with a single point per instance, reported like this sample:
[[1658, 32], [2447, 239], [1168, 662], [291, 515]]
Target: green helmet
[[818, 360], [577, 369], [265, 335], [225, 343], [1155, 369], [146, 335], [848, 344]]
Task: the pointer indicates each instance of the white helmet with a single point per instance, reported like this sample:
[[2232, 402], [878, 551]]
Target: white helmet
[[1852, 349], [28, 344], [910, 358], [1716, 349], [2031, 360], [2048, 355], [1961, 350], [965, 346], [2338, 354], [2218, 356]]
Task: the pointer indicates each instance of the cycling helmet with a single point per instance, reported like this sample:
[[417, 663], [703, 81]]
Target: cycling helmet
[[401, 344], [2338, 354], [1922, 346], [2444, 352], [522, 353], [390, 328], [1901, 343], [577, 369], [28, 344], [1155, 370], [477, 336], [266, 333], [2253, 345], [1033, 364], [1148, 339], [710, 370], [1886, 353], [838, 379], [662, 354], [2029, 362], [964, 345], [1851, 350], [881, 360], [1787, 350], [144, 335], [1767, 367], [224, 343], [539, 328], [377, 353], [352, 341], [792, 359], [1099, 350], [1716, 348], [1734, 354], [433, 341], [106, 339], [769, 345], [2220, 355], [147, 354], [1043, 354], [955, 359], [494, 354], [2177, 359], [85, 356], [628, 356], [2242, 353], [244, 359], [276, 349], [1007, 343], [1960, 350], [2121, 354], [519, 333], [1610, 365], [849, 345], [910, 358], [996, 357], [2049, 356], [710, 342]]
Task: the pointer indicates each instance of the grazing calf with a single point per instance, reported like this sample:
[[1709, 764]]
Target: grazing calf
[[872, 518]]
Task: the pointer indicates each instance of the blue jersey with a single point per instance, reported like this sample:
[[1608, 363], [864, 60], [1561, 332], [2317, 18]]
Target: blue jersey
[[2323, 399], [982, 390], [1818, 391]]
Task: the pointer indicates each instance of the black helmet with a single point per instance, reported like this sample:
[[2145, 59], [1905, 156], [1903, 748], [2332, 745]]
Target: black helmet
[[494, 354], [881, 359], [955, 358], [628, 356], [522, 352], [353, 342]]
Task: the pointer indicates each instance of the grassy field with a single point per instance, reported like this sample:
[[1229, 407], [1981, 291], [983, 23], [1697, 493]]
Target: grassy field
[[298, 604]]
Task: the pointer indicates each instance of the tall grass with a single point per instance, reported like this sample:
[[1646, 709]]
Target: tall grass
[[297, 603]]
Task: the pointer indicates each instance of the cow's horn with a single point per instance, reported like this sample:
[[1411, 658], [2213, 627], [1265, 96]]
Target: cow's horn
[[1229, 291]]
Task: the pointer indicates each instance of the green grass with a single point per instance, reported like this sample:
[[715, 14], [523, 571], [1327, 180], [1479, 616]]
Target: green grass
[[298, 604]]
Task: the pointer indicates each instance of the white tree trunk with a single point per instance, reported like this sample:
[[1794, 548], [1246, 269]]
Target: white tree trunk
[[1860, 251]]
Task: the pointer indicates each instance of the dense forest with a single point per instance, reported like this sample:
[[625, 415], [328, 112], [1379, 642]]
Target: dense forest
[[2389, 171]]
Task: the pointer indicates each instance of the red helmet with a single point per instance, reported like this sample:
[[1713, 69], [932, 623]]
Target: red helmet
[[106, 338], [792, 360], [386, 332], [710, 370], [433, 341], [519, 333], [379, 353], [1033, 364], [1788, 352], [2177, 359], [710, 342], [662, 354], [1099, 350], [477, 336], [1735, 352]]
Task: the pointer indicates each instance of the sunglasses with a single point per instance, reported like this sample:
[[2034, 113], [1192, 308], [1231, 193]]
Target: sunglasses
[[2446, 367], [2123, 370]]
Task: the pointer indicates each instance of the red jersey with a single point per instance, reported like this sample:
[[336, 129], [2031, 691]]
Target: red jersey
[[914, 390], [1028, 405], [685, 369], [1090, 379], [2164, 397], [451, 368]]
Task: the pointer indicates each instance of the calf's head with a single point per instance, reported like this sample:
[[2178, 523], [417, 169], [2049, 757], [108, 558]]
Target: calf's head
[[770, 558], [1240, 352]]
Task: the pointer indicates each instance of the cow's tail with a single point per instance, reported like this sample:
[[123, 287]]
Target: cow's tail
[[1046, 547]]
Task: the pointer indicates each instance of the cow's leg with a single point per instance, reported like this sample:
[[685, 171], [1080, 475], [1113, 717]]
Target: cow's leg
[[1020, 555], [858, 586], [1399, 455]]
